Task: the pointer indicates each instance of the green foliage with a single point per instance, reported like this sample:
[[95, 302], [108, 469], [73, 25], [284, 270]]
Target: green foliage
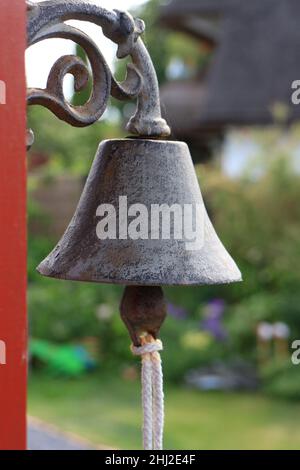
[[187, 347], [166, 46], [243, 318], [64, 312], [282, 380], [258, 221], [81, 97], [69, 149]]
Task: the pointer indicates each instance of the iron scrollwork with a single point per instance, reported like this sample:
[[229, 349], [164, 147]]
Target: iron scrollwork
[[47, 20]]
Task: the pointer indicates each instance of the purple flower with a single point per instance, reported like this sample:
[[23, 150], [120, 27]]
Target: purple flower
[[176, 311], [213, 313]]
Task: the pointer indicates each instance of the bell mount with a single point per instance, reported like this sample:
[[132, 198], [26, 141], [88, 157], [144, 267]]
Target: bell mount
[[48, 20]]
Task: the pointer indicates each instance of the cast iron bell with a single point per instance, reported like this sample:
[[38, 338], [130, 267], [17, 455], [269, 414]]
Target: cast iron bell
[[141, 220]]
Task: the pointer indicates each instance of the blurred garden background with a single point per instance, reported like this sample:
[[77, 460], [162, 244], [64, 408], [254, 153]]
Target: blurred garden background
[[230, 381]]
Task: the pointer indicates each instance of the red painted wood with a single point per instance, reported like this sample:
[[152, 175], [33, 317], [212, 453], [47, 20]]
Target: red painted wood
[[12, 227]]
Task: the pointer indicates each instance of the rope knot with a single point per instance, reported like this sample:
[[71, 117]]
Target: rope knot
[[147, 348]]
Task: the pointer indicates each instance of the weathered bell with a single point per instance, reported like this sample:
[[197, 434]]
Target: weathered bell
[[141, 220]]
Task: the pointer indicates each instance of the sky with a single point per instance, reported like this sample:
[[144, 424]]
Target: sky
[[41, 56]]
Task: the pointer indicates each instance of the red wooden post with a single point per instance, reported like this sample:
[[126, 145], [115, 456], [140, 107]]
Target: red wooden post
[[12, 226]]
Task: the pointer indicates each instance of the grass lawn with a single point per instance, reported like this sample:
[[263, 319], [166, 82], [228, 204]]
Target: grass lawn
[[107, 411]]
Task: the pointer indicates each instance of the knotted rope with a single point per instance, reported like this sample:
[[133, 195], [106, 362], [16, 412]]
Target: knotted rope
[[152, 392]]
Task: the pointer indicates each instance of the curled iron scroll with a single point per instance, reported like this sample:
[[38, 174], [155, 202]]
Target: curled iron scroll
[[46, 20], [104, 83]]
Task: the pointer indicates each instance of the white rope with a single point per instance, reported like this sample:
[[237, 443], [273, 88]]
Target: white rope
[[152, 393], [147, 401], [158, 401]]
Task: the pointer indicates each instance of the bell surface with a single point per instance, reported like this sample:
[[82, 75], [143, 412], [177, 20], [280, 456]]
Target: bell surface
[[141, 220]]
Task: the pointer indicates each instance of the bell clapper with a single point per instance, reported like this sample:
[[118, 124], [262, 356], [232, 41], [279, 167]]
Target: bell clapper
[[143, 311]]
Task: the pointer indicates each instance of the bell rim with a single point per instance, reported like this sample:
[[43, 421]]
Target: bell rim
[[132, 282]]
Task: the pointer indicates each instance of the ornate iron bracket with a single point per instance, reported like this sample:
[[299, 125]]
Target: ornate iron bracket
[[47, 20]]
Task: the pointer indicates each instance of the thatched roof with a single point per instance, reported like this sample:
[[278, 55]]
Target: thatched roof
[[185, 96], [257, 56], [181, 101]]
